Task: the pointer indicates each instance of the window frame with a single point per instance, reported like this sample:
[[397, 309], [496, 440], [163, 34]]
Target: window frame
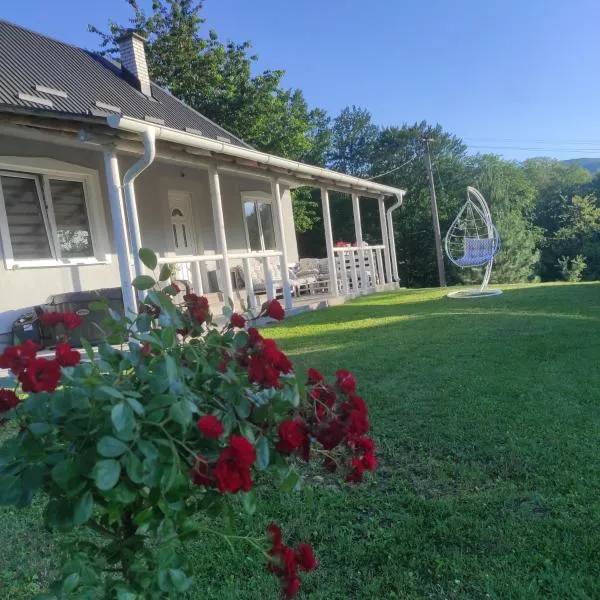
[[42, 170], [266, 198]]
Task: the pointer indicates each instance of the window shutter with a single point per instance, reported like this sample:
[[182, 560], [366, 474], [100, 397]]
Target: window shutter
[[28, 233], [70, 216]]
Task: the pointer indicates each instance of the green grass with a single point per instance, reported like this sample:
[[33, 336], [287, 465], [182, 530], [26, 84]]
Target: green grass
[[486, 414]]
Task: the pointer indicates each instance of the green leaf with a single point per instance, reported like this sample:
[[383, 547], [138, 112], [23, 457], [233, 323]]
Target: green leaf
[[181, 413], [143, 282], [165, 272], [98, 306], [247, 431], [136, 406], [84, 509], [64, 472], [124, 594], [148, 449], [290, 482], [39, 428], [243, 408], [148, 257], [110, 447], [106, 473], [168, 337], [249, 502], [110, 391], [179, 580], [171, 367], [134, 469], [88, 348], [262, 453], [70, 583], [122, 417]]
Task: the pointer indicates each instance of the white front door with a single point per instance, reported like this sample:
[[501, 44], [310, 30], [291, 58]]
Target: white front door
[[182, 231]]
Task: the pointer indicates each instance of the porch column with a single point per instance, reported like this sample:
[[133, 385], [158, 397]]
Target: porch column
[[359, 241], [329, 242], [285, 275], [217, 206], [113, 181], [386, 244]]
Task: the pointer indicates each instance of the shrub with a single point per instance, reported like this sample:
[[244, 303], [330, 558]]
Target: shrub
[[142, 448]]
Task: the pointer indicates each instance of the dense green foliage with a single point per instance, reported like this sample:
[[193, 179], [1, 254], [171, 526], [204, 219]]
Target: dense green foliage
[[533, 203], [485, 413]]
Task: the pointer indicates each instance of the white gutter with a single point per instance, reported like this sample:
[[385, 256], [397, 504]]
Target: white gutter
[[130, 203], [391, 239], [174, 136]]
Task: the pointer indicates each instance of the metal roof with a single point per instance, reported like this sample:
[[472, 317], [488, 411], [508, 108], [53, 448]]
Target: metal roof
[[40, 74]]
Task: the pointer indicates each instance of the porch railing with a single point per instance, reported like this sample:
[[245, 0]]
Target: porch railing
[[189, 267], [360, 269]]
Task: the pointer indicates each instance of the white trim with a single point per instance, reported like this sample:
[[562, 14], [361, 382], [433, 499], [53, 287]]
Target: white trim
[[169, 134], [260, 196], [49, 168]]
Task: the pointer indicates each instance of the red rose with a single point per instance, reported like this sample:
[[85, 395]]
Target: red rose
[[355, 476], [274, 310], [175, 287], [232, 471], [332, 435], [210, 427], [8, 400], [254, 336], [66, 356], [237, 320], [198, 314], [146, 349], [285, 561], [68, 319], [292, 434], [306, 557], [369, 462], [359, 424], [71, 320], [345, 381], [16, 358], [275, 533], [41, 375], [314, 376]]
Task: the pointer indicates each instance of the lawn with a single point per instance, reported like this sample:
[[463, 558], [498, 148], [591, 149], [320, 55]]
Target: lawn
[[487, 418]]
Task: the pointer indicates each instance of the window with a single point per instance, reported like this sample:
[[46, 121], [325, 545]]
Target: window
[[260, 228], [44, 214]]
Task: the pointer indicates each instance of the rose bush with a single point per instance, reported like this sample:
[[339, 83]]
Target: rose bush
[[142, 448]]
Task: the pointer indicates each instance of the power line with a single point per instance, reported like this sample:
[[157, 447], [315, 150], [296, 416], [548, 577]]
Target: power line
[[536, 148], [395, 168]]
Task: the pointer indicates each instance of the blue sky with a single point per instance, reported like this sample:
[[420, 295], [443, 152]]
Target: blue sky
[[504, 75]]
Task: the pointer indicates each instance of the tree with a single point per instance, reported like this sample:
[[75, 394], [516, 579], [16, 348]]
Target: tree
[[579, 235], [555, 182], [353, 136], [215, 78]]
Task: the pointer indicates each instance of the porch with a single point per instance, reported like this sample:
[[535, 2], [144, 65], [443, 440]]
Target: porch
[[253, 256]]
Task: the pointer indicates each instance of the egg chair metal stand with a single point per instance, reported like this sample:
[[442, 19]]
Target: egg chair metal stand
[[473, 241]]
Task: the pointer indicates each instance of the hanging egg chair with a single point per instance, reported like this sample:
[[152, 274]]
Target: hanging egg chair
[[473, 241]]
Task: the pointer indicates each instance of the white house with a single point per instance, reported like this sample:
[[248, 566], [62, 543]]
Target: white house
[[96, 161]]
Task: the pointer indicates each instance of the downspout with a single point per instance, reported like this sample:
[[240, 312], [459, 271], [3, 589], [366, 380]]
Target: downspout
[[391, 239], [130, 202]]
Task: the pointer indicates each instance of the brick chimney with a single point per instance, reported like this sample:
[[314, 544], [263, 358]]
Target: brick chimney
[[133, 60]]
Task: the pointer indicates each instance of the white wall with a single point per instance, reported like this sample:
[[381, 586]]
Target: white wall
[[24, 288]]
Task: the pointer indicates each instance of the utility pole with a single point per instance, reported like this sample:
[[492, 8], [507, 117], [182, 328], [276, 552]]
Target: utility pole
[[434, 215]]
